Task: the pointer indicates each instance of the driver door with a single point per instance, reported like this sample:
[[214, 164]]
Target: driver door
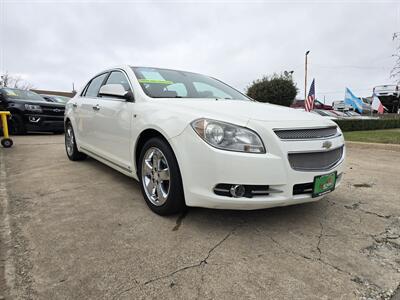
[[112, 124]]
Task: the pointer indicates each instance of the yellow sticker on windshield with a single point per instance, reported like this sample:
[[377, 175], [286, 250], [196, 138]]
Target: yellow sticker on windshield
[[155, 81], [10, 92]]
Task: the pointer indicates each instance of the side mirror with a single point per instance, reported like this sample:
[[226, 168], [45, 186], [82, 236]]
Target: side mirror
[[116, 90]]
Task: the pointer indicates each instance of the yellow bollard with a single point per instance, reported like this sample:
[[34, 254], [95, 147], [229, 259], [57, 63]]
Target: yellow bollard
[[6, 142]]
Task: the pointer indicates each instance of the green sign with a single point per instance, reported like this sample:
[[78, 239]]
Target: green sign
[[324, 184]]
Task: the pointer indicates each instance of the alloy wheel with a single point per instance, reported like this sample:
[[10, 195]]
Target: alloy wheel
[[69, 141], [155, 176]]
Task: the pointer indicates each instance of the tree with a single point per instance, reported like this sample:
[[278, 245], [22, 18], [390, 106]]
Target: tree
[[7, 80], [276, 89], [395, 73]]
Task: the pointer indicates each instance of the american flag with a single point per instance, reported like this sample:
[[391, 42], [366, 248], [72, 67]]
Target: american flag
[[309, 102]]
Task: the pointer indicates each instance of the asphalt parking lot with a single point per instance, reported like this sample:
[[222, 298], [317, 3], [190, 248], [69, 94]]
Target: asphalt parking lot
[[75, 230]]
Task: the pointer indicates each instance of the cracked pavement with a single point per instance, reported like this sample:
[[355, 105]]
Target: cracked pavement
[[74, 230]]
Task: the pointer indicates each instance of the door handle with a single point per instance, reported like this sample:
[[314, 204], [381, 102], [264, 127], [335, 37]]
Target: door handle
[[74, 105], [96, 107]]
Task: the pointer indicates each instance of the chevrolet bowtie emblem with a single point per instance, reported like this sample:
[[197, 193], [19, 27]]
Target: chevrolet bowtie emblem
[[327, 144]]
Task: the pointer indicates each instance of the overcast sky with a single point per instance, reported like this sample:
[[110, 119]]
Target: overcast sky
[[54, 43]]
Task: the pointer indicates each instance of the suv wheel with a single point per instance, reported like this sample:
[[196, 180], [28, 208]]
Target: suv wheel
[[160, 178], [70, 144]]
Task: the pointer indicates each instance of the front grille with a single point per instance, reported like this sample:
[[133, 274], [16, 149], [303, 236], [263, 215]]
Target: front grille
[[52, 111], [306, 133], [310, 161]]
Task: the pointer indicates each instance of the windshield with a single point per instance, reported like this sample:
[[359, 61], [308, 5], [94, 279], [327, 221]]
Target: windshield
[[22, 94], [320, 112], [164, 83], [58, 99]]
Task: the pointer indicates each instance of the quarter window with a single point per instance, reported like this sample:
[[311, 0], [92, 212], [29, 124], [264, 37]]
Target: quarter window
[[94, 85]]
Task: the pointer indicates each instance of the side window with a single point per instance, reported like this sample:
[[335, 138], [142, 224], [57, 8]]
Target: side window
[[94, 85], [118, 77]]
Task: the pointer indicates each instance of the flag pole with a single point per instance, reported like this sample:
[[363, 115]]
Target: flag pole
[[305, 76]]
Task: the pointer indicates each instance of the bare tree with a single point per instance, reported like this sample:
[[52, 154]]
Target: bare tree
[[7, 80], [395, 73]]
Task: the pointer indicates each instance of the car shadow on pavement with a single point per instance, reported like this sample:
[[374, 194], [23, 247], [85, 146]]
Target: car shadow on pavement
[[204, 217]]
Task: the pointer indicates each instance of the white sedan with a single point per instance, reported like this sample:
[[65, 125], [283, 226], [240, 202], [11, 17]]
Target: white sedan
[[192, 140]]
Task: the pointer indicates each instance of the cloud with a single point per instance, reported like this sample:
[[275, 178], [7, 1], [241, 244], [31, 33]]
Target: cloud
[[57, 43]]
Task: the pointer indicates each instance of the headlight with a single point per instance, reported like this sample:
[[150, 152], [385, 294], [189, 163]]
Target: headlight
[[33, 107], [227, 136]]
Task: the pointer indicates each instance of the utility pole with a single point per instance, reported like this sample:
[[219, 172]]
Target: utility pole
[[305, 77]]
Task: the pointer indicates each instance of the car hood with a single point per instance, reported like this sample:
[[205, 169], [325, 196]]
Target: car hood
[[41, 103], [238, 110]]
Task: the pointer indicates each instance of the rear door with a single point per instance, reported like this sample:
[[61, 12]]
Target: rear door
[[86, 109], [112, 124]]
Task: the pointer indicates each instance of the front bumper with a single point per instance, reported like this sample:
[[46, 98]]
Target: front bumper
[[44, 123], [203, 167]]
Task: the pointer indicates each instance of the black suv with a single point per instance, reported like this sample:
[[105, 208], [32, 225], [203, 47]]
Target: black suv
[[31, 112]]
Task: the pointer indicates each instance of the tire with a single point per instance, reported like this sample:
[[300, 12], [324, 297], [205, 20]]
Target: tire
[[70, 145], [164, 201], [6, 143], [17, 125]]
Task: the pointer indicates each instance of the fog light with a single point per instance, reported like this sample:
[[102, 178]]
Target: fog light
[[34, 119], [237, 190]]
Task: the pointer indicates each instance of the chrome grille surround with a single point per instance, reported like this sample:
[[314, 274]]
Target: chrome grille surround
[[306, 133], [317, 160]]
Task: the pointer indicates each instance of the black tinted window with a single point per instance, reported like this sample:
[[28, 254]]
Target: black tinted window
[[94, 86], [117, 77]]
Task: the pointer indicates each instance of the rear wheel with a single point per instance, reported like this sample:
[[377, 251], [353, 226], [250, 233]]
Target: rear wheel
[[70, 144], [160, 178]]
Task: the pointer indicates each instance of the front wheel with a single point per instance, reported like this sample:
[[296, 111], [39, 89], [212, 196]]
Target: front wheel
[[70, 144], [160, 178]]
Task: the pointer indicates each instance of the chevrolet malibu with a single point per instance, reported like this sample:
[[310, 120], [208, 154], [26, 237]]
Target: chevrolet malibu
[[192, 140]]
